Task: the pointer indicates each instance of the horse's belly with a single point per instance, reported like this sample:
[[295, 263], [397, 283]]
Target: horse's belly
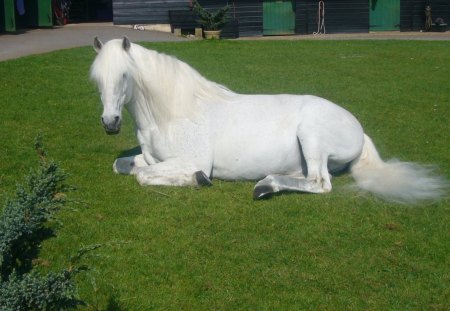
[[240, 162], [253, 143]]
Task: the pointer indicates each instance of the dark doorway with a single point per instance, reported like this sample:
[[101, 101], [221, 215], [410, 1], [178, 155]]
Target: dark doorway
[[91, 11]]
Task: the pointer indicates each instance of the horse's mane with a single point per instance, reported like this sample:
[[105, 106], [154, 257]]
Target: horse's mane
[[167, 86]]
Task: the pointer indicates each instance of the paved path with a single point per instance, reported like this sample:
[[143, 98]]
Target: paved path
[[36, 41]]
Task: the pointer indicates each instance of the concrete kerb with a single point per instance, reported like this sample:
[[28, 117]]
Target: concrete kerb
[[384, 35]]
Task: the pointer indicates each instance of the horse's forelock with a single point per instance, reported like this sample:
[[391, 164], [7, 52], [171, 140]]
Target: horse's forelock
[[111, 59]]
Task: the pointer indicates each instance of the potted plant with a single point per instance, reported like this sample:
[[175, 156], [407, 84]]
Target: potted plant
[[212, 22]]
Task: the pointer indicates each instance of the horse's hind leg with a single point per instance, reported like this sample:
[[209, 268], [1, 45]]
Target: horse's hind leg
[[276, 183], [316, 178]]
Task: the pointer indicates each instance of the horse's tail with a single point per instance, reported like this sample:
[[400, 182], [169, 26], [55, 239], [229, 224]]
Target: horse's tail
[[394, 180]]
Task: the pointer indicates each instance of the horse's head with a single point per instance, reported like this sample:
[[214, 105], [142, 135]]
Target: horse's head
[[111, 72]]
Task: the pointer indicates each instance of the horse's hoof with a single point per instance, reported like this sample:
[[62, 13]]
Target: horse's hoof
[[202, 179], [262, 192]]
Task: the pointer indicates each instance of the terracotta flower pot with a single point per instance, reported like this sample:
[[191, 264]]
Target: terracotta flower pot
[[212, 34]]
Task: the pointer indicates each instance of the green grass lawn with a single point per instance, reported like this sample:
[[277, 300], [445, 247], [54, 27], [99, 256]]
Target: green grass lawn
[[215, 248]]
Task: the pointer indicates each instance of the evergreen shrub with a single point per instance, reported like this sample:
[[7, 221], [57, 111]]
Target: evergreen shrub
[[24, 224]]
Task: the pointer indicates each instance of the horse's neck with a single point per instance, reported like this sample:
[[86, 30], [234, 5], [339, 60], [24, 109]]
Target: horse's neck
[[166, 90], [160, 92], [141, 113], [140, 105]]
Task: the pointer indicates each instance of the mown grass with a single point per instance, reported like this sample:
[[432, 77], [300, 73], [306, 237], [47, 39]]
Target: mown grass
[[216, 248]]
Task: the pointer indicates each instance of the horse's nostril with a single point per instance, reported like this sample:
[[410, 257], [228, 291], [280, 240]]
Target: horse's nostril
[[106, 120]]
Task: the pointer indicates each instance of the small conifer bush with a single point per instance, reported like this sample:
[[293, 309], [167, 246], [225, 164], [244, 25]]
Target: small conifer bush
[[24, 224]]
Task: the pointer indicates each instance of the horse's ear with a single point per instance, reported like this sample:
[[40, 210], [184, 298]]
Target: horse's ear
[[126, 44], [97, 44]]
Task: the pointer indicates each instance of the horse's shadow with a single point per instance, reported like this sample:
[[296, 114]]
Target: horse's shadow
[[130, 152], [114, 305]]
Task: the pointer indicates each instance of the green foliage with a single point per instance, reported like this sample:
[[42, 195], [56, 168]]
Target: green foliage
[[31, 291], [211, 20], [22, 230]]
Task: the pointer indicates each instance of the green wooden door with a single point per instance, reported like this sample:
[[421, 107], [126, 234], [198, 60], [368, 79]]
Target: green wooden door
[[39, 13], [278, 17], [384, 15], [7, 15], [45, 15]]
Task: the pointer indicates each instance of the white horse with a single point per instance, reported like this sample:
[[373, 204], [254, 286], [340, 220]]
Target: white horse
[[191, 129]]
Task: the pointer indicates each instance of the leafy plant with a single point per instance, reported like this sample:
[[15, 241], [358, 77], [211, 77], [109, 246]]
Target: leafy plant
[[211, 20], [23, 226]]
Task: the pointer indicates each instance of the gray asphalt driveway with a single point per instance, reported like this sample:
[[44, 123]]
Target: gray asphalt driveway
[[36, 41]]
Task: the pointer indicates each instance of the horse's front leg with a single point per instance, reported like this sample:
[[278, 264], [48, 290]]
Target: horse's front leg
[[173, 172], [129, 165]]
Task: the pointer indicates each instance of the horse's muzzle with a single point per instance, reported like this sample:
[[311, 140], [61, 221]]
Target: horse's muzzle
[[112, 125]]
